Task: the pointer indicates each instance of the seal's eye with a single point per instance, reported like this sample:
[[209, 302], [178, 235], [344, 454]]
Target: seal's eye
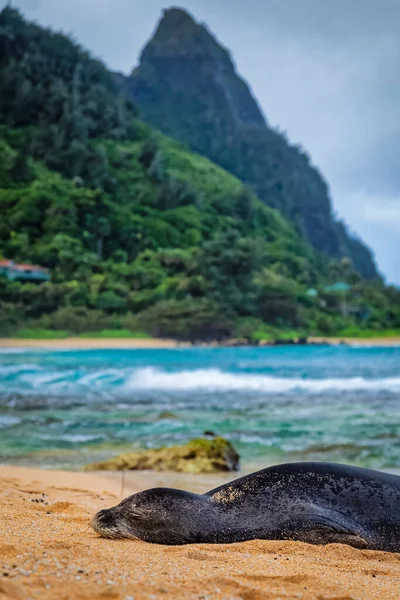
[[137, 513]]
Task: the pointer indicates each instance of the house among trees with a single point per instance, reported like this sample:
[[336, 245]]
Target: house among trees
[[23, 272]]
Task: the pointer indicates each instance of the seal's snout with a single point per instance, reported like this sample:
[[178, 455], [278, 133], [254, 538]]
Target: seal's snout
[[103, 522], [105, 517], [110, 523]]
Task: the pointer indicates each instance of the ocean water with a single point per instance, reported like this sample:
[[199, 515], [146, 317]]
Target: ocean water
[[66, 408]]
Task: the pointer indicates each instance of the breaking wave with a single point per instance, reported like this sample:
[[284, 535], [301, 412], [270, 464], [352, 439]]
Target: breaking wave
[[214, 379], [28, 378]]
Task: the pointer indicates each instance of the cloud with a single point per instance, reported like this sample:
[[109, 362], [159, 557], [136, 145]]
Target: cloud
[[385, 212], [378, 220]]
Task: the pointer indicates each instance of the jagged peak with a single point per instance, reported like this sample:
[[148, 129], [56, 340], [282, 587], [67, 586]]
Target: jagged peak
[[178, 33], [174, 18]]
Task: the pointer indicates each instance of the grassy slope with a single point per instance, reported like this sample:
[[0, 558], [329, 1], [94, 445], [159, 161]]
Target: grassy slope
[[357, 332], [204, 176]]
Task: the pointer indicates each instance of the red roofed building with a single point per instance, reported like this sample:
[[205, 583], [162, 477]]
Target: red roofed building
[[23, 272]]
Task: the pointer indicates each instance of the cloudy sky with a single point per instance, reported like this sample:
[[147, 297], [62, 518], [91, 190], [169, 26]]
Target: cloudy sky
[[325, 71]]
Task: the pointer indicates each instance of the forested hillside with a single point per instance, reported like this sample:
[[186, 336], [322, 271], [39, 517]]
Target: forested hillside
[[139, 233], [187, 86]]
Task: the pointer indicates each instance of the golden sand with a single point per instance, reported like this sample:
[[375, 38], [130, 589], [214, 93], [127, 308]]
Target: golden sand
[[131, 343], [48, 551], [89, 343]]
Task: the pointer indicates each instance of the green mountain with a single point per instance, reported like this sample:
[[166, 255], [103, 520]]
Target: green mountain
[[187, 86], [139, 233]]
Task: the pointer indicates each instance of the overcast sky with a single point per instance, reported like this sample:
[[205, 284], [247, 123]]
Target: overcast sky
[[325, 71]]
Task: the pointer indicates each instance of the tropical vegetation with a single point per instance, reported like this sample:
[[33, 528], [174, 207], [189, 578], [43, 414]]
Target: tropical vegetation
[[139, 233]]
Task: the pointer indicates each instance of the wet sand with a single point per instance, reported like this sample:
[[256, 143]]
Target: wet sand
[[48, 551]]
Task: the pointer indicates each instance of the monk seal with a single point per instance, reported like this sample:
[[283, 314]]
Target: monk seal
[[312, 502]]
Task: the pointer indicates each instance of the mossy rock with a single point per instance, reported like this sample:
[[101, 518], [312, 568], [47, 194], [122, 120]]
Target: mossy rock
[[167, 414], [197, 456]]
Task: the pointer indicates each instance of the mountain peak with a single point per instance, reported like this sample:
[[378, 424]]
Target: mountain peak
[[175, 18], [187, 86], [179, 34], [183, 54]]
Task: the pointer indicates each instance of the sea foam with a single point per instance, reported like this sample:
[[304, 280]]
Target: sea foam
[[214, 379]]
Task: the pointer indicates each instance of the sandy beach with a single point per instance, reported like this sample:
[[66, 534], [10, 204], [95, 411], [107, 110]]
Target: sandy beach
[[126, 343], [90, 343], [48, 551]]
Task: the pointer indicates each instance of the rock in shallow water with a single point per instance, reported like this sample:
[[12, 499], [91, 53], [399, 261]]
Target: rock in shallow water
[[197, 456]]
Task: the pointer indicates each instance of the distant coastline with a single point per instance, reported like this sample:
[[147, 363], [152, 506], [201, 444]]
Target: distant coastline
[[353, 341], [158, 343], [91, 343]]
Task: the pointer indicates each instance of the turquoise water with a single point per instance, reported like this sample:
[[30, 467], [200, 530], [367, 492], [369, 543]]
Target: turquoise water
[[67, 408]]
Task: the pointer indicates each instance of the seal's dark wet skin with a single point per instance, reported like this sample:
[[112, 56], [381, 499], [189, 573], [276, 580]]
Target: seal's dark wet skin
[[319, 503]]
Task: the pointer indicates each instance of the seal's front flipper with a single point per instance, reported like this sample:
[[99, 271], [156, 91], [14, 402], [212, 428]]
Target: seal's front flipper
[[326, 534], [322, 526]]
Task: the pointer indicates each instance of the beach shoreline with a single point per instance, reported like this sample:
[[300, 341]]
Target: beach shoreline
[[380, 342], [48, 551], [92, 343], [76, 343]]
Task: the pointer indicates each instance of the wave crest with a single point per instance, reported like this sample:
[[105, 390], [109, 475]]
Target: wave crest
[[42, 380], [215, 380]]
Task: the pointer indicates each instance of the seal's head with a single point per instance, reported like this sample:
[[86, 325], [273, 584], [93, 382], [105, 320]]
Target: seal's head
[[159, 515]]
